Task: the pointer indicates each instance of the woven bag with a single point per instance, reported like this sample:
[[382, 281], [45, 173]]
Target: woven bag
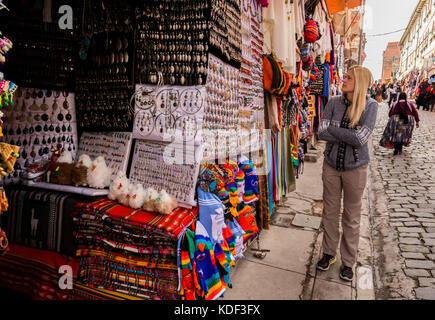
[[316, 87]]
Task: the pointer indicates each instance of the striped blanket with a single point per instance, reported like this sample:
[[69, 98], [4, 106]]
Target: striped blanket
[[35, 272], [171, 224]]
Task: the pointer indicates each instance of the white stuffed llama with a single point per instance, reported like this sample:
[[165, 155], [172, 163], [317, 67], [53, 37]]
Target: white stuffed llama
[[118, 186], [137, 198], [84, 160], [99, 174], [150, 199], [166, 203], [124, 198]]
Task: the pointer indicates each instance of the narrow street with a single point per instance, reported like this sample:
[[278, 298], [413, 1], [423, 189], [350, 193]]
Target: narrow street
[[403, 220]]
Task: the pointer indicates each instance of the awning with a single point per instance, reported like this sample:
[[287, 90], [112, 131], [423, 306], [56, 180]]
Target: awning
[[352, 23], [335, 6]]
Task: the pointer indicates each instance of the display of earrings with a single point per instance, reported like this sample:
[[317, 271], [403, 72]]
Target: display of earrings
[[251, 71], [38, 120], [104, 80], [223, 97], [225, 31], [168, 113], [251, 112], [172, 38], [152, 167], [115, 147]]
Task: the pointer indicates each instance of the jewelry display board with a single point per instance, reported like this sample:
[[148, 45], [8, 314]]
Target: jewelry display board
[[38, 120], [251, 111], [115, 147], [225, 31], [223, 98], [167, 166], [169, 113], [105, 69], [251, 71]]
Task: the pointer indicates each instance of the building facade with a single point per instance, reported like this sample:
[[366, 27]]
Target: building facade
[[418, 44], [390, 61]]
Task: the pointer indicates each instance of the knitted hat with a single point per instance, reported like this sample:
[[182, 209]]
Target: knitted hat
[[230, 184], [311, 31], [247, 221], [267, 73], [282, 78], [305, 52], [287, 82], [313, 73], [240, 180], [309, 64], [207, 181], [251, 181]]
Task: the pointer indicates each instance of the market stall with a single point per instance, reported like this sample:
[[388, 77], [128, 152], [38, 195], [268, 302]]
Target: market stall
[[154, 138]]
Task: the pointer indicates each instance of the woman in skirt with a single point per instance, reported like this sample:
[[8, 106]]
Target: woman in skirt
[[398, 132]]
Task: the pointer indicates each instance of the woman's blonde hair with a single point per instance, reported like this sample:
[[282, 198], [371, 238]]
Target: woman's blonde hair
[[363, 80]]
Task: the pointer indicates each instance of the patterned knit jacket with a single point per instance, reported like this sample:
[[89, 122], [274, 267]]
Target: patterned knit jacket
[[357, 150]]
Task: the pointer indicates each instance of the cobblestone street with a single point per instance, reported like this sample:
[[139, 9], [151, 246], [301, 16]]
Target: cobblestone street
[[403, 213]]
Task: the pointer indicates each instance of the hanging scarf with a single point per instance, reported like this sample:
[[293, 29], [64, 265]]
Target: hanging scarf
[[342, 145]]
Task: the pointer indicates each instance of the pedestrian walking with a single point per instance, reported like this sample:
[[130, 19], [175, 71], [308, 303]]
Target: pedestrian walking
[[347, 124], [384, 91], [379, 94], [422, 96], [393, 94], [373, 91], [399, 129], [432, 100]]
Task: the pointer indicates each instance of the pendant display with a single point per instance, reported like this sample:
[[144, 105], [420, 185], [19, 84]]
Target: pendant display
[[161, 112], [39, 127]]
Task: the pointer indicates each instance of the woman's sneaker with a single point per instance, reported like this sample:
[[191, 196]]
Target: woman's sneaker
[[346, 273], [325, 262]]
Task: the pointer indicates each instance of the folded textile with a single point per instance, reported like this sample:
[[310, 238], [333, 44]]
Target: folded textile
[[35, 272], [83, 292], [171, 224]]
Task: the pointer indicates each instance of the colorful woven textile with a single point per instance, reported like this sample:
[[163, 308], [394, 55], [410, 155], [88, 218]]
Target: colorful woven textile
[[35, 272], [40, 219], [84, 292], [133, 252]]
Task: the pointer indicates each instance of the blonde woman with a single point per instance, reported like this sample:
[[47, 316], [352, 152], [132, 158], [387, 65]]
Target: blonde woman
[[346, 125]]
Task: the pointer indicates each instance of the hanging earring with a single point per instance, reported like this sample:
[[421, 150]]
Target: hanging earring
[[44, 106], [65, 103], [55, 106]]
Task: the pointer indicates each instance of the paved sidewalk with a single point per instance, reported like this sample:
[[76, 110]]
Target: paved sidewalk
[[288, 272], [404, 214]]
